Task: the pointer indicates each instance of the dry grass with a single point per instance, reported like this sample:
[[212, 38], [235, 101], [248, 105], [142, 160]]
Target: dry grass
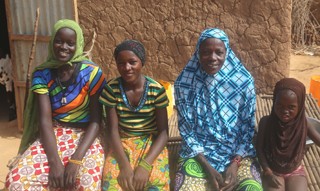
[[305, 27]]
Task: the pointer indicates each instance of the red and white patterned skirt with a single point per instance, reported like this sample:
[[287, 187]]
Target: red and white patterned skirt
[[32, 170]]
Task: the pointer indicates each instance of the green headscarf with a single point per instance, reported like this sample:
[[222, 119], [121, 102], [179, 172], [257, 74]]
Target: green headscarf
[[30, 121]]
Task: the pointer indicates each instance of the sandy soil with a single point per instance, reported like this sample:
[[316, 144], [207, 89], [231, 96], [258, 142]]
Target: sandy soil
[[9, 144], [301, 67]]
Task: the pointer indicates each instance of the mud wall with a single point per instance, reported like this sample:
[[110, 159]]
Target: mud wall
[[259, 33]]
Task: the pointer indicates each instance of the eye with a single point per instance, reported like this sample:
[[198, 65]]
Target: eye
[[71, 43], [219, 53], [292, 107], [205, 52], [57, 41], [133, 62]]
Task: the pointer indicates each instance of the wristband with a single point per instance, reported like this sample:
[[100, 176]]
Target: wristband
[[78, 162], [144, 164], [237, 160]]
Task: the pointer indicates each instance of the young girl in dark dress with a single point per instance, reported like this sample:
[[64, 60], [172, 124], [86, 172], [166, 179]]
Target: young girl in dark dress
[[282, 137]]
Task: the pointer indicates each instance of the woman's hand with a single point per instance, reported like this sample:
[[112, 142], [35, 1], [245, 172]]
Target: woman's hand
[[230, 177], [271, 179], [215, 179], [140, 179], [70, 175], [125, 178], [56, 175]]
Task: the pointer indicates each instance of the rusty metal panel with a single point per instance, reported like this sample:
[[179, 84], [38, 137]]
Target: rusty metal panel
[[23, 14], [23, 48]]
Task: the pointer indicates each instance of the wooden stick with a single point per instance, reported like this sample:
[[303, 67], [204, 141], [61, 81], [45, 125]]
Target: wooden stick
[[93, 40], [31, 57]]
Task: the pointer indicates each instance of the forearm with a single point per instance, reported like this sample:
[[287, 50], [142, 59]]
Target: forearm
[[190, 138], [204, 163], [247, 128], [263, 162], [88, 138], [47, 135], [260, 145], [157, 146], [91, 130], [118, 150], [49, 143]]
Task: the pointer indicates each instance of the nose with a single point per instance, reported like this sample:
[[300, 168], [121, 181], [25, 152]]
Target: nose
[[127, 66], [64, 46], [285, 111], [213, 56]]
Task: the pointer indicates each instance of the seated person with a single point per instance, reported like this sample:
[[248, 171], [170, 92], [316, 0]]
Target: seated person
[[137, 125], [215, 100], [282, 137], [59, 148]]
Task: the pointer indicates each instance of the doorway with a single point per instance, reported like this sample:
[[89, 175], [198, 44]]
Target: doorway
[[7, 98]]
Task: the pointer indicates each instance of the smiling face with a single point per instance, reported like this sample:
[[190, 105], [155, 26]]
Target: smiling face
[[212, 54], [129, 66], [64, 44], [286, 106]]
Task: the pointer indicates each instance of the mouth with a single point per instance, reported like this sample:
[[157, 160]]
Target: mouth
[[213, 66], [285, 118], [128, 75], [63, 54]]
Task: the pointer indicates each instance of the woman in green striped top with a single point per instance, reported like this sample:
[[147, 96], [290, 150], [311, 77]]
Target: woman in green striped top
[[137, 125]]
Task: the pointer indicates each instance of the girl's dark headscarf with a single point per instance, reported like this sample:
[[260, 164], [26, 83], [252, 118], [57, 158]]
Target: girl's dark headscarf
[[285, 144], [135, 46]]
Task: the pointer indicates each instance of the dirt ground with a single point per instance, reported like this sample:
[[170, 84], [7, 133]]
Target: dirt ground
[[301, 67]]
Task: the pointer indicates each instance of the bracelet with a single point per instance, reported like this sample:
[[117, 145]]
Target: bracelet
[[237, 160], [78, 162], [144, 164]]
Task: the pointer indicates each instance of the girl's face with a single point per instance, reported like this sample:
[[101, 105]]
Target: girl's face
[[129, 66], [64, 44], [286, 106], [212, 54]]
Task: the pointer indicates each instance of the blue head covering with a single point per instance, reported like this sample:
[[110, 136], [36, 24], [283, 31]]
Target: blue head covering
[[216, 112]]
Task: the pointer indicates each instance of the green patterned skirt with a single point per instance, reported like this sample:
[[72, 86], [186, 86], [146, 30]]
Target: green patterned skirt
[[191, 176]]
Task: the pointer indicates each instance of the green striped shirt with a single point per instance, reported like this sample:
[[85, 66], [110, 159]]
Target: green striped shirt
[[140, 120]]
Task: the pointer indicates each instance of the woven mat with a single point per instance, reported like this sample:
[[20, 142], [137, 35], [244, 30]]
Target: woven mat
[[264, 104]]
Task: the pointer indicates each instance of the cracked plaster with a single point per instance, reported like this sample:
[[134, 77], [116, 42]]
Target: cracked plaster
[[259, 33]]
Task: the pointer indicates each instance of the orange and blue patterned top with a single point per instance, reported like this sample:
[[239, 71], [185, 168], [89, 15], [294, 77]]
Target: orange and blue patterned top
[[75, 108]]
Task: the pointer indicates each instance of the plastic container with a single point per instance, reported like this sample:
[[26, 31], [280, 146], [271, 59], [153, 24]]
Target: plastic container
[[169, 92], [315, 88]]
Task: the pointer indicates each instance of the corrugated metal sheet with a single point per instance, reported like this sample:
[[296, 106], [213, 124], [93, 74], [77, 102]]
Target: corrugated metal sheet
[[23, 48], [23, 13], [21, 18]]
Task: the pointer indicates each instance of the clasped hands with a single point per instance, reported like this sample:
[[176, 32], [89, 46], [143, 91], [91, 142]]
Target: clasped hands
[[133, 180], [225, 181]]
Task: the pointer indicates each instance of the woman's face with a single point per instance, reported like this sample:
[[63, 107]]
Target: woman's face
[[212, 54], [286, 106], [129, 66], [64, 44]]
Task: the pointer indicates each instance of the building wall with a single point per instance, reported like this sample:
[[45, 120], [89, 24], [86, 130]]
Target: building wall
[[259, 33]]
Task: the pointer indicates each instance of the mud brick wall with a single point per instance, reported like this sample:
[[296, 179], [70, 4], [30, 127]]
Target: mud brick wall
[[259, 33]]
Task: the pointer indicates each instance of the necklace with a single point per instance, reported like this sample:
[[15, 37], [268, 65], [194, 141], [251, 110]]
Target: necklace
[[142, 99], [65, 85], [63, 89]]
